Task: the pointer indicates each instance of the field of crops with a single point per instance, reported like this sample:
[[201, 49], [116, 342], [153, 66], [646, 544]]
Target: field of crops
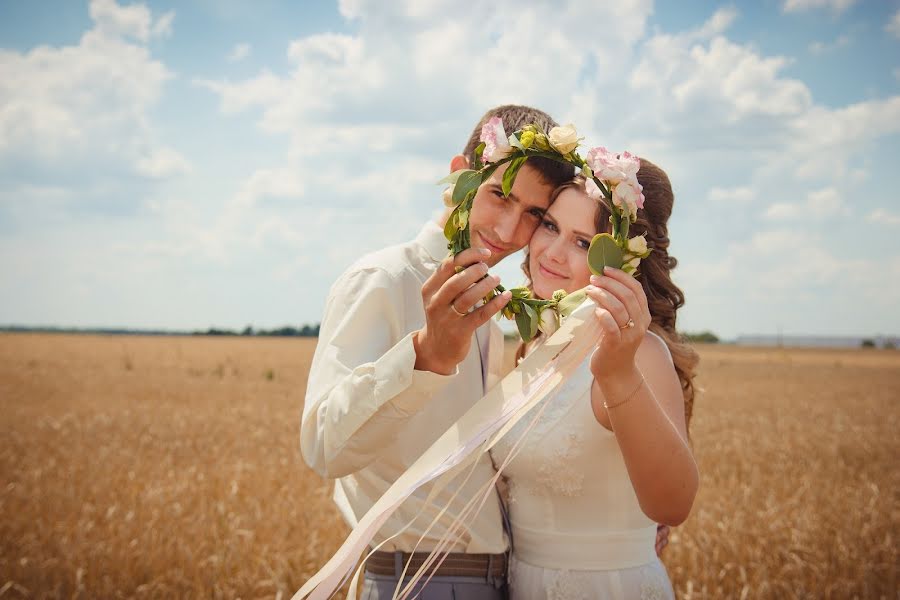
[[170, 467]]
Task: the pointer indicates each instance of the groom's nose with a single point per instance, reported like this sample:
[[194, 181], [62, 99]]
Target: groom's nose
[[505, 227]]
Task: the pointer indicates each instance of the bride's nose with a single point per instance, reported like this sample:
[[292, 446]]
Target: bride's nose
[[556, 251]]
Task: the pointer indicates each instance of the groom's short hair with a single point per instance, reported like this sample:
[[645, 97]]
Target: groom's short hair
[[514, 117]]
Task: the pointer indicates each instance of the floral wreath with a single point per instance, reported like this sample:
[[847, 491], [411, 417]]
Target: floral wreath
[[610, 179]]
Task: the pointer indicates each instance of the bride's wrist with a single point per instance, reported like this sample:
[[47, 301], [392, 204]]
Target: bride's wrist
[[618, 383]]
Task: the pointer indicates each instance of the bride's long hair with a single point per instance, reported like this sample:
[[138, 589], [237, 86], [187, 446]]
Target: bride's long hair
[[664, 298]]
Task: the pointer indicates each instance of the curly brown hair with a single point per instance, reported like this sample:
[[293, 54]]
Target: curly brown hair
[[664, 298]]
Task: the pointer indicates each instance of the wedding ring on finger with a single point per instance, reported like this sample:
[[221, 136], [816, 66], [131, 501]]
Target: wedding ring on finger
[[453, 308], [628, 325]]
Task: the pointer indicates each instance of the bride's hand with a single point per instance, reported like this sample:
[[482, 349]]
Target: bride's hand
[[624, 318]]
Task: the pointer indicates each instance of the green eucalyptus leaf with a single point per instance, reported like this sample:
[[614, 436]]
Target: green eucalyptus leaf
[[509, 176], [468, 181], [604, 252], [533, 318], [450, 228], [523, 323], [451, 178], [572, 301]]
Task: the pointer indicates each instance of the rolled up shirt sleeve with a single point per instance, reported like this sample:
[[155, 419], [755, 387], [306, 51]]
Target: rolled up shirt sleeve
[[363, 384]]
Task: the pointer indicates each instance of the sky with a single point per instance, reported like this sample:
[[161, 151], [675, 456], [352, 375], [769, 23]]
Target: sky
[[182, 165]]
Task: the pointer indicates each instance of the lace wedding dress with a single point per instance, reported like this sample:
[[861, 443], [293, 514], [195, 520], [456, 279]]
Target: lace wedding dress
[[578, 531]]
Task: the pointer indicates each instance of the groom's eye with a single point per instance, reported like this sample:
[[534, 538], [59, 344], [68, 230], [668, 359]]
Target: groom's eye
[[536, 213]]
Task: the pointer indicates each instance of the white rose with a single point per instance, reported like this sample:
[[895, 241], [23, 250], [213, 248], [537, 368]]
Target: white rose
[[637, 245], [564, 138], [548, 322], [634, 262]]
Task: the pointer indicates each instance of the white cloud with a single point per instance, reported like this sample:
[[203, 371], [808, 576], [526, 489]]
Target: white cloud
[[819, 204], [738, 195], [819, 48], [884, 217], [134, 20], [893, 26], [835, 6], [82, 112], [239, 52]]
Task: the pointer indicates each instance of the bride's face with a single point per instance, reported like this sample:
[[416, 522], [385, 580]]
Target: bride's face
[[558, 249]]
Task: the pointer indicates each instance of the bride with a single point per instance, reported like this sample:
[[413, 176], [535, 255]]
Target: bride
[[609, 457]]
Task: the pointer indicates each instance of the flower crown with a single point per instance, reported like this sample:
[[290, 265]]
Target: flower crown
[[609, 178]]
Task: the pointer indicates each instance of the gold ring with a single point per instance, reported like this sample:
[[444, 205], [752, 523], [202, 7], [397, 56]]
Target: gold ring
[[453, 308], [628, 325]]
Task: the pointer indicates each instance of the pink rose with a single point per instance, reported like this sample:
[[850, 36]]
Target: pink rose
[[613, 167], [593, 190], [628, 195], [496, 143]]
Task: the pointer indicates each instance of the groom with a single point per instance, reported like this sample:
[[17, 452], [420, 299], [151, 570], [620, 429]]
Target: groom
[[404, 350]]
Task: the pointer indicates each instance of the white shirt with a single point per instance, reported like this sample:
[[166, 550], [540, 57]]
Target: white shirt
[[369, 414]]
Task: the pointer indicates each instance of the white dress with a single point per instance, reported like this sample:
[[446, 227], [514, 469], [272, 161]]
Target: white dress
[[578, 531]]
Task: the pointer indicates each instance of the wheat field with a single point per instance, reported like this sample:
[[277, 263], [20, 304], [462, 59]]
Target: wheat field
[[169, 467]]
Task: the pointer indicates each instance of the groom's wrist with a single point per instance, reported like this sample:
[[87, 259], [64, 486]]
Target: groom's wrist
[[425, 358]]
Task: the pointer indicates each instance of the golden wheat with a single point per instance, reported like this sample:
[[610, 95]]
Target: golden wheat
[[169, 467]]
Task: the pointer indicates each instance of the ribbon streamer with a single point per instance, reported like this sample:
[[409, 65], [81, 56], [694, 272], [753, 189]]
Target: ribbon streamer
[[542, 372]]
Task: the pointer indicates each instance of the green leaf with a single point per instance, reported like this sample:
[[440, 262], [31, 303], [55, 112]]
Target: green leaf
[[451, 178], [604, 252], [534, 318], [468, 181], [523, 323], [572, 301], [450, 228], [509, 176]]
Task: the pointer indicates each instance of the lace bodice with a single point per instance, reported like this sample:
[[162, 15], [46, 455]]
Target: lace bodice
[[574, 513]]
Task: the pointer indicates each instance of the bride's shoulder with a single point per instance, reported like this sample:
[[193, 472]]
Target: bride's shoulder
[[655, 350]]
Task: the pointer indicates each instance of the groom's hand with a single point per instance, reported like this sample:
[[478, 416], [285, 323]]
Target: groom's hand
[[448, 297]]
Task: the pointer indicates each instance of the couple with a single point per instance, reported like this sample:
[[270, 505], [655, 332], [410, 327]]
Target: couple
[[405, 349]]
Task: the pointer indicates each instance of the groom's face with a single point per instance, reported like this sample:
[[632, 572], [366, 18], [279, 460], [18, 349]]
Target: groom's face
[[504, 225]]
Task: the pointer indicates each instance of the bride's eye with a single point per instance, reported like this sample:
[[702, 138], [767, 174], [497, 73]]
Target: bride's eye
[[583, 243], [549, 226]]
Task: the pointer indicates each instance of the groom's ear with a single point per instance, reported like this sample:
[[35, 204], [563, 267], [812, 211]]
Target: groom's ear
[[458, 163]]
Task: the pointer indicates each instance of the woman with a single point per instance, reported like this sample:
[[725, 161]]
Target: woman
[[609, 456]]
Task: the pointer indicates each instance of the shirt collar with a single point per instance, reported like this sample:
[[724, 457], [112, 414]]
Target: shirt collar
[[432, 239]]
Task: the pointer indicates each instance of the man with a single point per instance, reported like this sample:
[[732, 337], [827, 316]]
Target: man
[[405, 350]]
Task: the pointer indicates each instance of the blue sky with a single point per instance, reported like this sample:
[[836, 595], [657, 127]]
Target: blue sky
[[184, 165]]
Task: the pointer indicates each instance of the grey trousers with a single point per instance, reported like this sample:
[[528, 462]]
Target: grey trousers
[[381, 587]]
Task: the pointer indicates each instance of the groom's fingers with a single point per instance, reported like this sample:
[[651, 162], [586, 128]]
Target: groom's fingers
[[471, 296], [482, 314], [459, 283], [448, 268]]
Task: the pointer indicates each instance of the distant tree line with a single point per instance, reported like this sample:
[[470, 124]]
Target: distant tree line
[[286, 331], [704, 337]]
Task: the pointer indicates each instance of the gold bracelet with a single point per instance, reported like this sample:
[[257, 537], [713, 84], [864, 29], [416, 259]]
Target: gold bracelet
[[608, 406]]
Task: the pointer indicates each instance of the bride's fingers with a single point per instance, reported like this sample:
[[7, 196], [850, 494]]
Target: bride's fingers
[[629, 281], [608, 325], [612, 304], [634, 307]]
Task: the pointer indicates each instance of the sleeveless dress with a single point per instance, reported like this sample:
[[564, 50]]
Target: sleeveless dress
[[577, 529]]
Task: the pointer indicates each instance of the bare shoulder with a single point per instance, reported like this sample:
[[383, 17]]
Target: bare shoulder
[[654, 352]]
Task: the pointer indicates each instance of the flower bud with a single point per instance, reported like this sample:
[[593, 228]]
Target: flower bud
[[548, 322], [559, 295], [637, 245], [564, 138], [541, 141], [527, 139], [586, 172], [530, 129], [448, 197]]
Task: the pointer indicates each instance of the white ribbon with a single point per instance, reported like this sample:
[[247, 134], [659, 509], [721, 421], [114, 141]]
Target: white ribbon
[[479, 429]]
